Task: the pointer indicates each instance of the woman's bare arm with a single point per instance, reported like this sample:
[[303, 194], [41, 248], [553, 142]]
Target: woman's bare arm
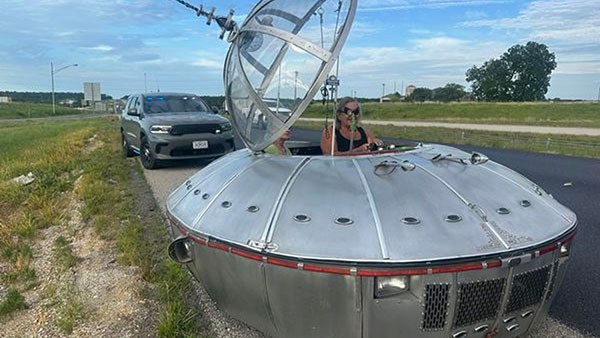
[[371, 138]]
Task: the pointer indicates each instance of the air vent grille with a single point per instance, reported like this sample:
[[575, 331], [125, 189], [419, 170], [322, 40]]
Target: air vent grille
[[528, 289], [436, 307], [478, 301]]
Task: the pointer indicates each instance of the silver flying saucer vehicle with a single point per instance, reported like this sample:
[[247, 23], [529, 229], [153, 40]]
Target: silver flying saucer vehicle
[[428, 241]]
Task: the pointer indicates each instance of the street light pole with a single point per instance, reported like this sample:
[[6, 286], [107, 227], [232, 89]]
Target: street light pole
[[52, 72]]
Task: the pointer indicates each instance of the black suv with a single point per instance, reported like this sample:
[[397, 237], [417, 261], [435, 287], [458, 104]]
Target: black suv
[[170, 126]]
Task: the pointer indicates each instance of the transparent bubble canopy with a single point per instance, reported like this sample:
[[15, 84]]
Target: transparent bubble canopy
[[279, 59]]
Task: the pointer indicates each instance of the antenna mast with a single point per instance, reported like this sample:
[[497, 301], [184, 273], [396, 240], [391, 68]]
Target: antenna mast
[[226, 23]]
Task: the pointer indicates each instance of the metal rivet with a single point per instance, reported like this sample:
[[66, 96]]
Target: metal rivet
[[226, 204], [344, 221], [253, 208], [503, 211], [197, 192], [525, 203], [301, 218], [411, 220], [453, 218], [205, 196]]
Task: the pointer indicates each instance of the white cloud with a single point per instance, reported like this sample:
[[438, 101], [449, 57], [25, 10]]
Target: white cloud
[[386, 5], [101, 48], [571, 28]]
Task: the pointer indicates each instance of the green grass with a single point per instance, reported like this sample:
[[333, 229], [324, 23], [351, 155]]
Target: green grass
[[21, 110], [585, 146], [55, 152], [544, 114], [14, 301]]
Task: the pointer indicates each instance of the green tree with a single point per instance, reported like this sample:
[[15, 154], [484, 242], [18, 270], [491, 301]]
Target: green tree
[[521, 74], [421, 95], [450, 92]]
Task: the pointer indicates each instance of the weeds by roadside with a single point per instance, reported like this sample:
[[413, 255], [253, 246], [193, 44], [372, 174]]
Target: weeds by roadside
[[81, 157]]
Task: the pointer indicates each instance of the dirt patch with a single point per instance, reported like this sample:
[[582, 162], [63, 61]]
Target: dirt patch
[[95, 297], [92, 144]]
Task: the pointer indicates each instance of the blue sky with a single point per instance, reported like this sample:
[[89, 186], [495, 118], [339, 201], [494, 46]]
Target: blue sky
[[421, 42]]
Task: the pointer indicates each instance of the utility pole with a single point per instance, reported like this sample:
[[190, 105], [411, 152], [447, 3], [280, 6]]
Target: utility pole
[[145, 83], [52, 72], [382, 92], [295, 85], [598, 94], [394, 87], [52, 75]]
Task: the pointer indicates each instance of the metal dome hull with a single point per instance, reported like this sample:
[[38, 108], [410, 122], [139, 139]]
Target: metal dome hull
[[317, 276]]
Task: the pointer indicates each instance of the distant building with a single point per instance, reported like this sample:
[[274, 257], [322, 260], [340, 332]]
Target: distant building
[[409, 90], [5, 99], [91, 93]]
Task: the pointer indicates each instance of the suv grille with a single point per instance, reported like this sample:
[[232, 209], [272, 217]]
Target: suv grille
[[436, 307], [478, 301], [528, 289], [207, 128]]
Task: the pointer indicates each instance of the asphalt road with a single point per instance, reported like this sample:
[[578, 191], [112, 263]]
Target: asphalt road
[[578, 303]]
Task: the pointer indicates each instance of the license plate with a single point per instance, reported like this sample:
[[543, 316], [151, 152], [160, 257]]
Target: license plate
[[200, 144]]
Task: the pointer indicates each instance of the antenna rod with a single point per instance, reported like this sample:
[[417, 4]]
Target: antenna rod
[[226, 23]]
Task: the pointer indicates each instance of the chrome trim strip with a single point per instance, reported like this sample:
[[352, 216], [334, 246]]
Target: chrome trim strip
[[225, 186], [376, 219], [132, 134], [529, 191], [471, 206], [207, 177], [267, 235]]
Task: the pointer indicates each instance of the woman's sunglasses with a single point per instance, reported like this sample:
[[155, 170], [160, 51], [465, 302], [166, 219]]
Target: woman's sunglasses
[[351, 112]]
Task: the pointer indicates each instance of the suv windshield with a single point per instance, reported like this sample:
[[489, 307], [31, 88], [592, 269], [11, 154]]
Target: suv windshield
[[173, 104]]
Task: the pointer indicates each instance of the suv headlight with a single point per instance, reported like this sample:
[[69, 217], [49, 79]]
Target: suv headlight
[[160, 129], [391, 286], [226, 126]]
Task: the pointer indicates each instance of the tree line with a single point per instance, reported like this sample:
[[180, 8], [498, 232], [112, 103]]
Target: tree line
[[521, 74], [45, 97]]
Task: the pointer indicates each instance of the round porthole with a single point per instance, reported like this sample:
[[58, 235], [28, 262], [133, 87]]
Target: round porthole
[[205, 196], [301, 218], [197, 192], [344, 221], [226, 204], [453, 218], [411, 220], [503, 211], [525, 203], [253, 208]]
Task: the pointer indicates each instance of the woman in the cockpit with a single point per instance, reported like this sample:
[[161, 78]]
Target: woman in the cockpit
[[348, 115]]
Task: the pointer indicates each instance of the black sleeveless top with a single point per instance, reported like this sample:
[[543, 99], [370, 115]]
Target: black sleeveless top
[[343, 144]]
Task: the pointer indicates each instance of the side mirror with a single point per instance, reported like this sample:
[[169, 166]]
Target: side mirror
[[133, 112], [215, 109]]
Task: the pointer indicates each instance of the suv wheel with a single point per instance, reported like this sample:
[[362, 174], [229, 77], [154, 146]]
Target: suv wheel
[[148, 160], [127, 151]]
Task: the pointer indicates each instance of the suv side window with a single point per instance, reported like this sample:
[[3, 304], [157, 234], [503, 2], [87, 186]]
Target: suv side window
[[138, 104], [127, 106]]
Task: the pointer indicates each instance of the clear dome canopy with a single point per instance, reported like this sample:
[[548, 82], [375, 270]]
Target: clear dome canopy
[[279, 59]]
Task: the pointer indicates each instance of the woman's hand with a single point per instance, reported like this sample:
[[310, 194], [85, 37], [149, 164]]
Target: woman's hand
[[378, 142], [362, 149]]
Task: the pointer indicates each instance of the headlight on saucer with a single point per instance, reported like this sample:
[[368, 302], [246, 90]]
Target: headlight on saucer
[[391, 286], [160, 129]]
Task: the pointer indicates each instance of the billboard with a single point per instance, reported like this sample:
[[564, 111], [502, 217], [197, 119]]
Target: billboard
[[91, 91]]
